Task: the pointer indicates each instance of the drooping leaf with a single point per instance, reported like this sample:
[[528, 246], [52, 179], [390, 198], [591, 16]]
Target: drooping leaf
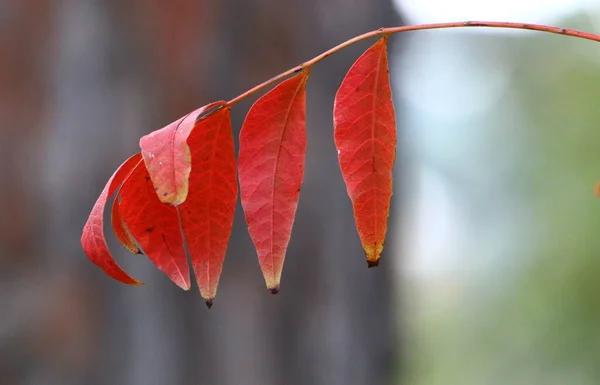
[[154, 225], [167, 156], [92, 239], [365, 137], [120, 229], [207, 213], [271, 169]]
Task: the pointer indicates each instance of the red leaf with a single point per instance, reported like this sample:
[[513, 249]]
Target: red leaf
[[92, 239], [207, 214], [365, 137], [155, 226], [271, 169], [120, 229], [167, 156]]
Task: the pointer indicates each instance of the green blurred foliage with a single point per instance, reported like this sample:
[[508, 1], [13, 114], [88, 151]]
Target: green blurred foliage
[[537, 321]]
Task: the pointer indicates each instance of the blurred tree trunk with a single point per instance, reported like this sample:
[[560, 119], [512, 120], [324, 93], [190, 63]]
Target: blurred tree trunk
[[123, 68]]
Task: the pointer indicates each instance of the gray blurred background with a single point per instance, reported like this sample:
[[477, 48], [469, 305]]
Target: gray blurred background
[[490, 273], [82, 80]]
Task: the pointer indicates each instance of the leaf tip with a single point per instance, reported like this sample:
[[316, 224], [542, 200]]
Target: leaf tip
[[209, 302], [372, 263], [273, 290], [373, 252], [183, 283]]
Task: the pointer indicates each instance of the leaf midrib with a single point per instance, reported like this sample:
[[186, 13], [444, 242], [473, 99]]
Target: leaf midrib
[[375, 91], [275, 168]]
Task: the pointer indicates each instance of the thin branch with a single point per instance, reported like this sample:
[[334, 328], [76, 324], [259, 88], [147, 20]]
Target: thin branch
[[420, 27]]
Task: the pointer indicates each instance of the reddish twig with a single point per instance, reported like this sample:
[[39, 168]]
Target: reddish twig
[[392, 30]]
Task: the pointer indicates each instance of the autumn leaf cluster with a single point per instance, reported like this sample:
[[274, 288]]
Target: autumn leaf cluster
[[181, 189]]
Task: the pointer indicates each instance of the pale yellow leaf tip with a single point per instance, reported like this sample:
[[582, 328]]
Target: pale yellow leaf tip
[[373, 253]]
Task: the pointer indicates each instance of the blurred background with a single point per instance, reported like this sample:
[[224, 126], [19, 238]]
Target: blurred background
[[489, 275]]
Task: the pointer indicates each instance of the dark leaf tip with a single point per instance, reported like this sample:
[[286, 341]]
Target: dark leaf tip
[[372, 263], [274, 290]]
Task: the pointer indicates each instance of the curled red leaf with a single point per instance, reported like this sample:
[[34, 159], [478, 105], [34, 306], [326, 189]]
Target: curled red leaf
[[271, 169], [167, 156], [93, 240]]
